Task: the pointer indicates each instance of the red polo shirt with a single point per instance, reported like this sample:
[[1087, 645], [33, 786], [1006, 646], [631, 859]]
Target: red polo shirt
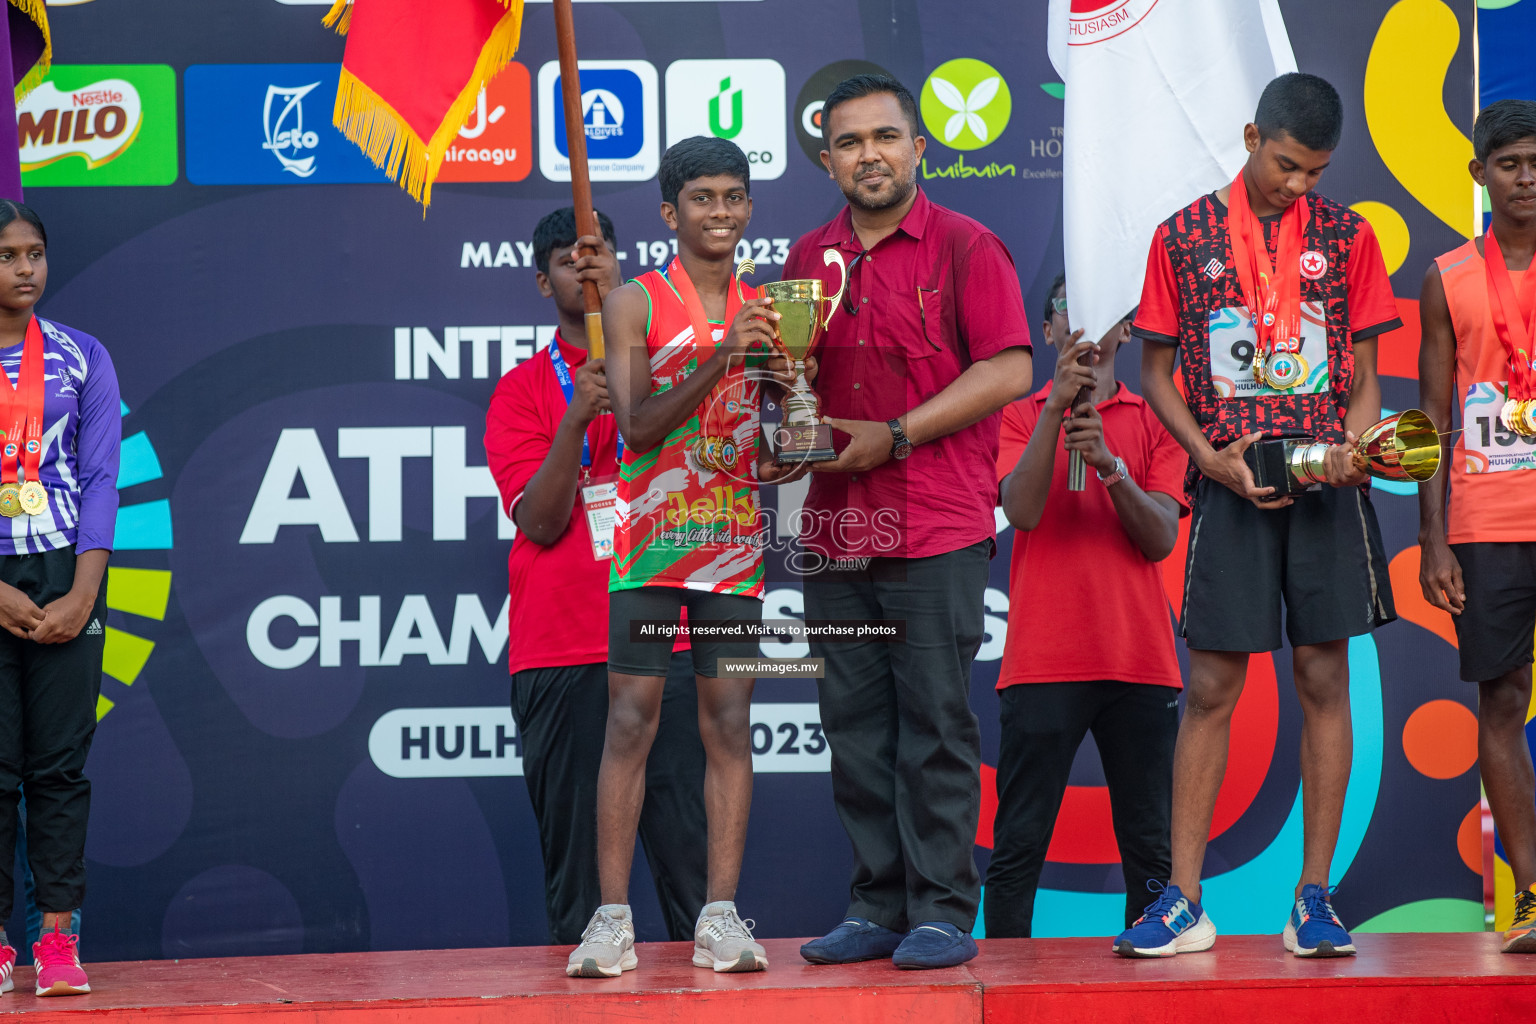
[[1079, 562], [930, 299]]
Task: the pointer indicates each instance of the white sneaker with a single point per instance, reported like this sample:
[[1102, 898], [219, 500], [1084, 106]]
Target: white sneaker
[[723, 941], [607, 946]]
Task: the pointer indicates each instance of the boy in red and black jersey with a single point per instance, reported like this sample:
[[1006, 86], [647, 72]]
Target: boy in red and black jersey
[[1271, 298]]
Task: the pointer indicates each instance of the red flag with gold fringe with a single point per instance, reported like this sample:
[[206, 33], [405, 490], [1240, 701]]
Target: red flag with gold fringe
[[24, 35], [410, 75]]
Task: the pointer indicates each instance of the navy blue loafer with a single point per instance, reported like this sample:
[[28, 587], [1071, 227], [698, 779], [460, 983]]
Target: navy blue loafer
[[934, 944], [854, 940]]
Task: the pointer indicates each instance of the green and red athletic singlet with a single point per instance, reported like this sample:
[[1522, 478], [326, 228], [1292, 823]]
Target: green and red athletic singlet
[[681, 524]]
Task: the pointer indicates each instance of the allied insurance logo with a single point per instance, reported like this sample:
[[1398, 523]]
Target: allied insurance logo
[[1093, 21], [966, 104], [270, 124], [620, 112], [739, 100], [100, 124]]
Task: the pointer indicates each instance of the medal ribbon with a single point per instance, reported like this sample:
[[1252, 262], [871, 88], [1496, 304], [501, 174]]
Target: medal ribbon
[[568, 386], [23, 403], [1273, 296], [704, 335], [1514, 317]]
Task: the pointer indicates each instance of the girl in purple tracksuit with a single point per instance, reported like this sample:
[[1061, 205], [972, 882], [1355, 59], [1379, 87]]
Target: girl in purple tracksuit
[[53, 602]]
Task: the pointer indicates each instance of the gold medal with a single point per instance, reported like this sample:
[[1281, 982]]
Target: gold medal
[[1525, 418], [727, 455], [1507, 415], [1285, 370], [34, 498], [10, 500], [1258, 364]]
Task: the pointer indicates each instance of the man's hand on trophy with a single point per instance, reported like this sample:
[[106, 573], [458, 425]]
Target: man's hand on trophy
[[1071, 377], [595, 262], [770, 472], [589, 396], [781, 368], [1227, 467], [1085, 433], [1440, 575], [1344, 468], [752, 330], [869, 445]]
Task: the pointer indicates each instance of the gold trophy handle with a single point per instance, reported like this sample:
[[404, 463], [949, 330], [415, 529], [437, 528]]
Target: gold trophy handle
[[829, 257]]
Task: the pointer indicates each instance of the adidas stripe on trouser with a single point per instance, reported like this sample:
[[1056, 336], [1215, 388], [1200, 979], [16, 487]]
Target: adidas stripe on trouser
[[47, 718]]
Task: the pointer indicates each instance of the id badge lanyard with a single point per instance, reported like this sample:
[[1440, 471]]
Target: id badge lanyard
[[568, 385]]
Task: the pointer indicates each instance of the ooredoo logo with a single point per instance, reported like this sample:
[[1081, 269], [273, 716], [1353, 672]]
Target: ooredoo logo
[[813, 96], [100, 125], [966, 104], [1093, 21]]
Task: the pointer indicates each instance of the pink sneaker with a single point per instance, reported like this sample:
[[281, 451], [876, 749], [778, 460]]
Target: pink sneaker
[[57, 956], [7, 966]]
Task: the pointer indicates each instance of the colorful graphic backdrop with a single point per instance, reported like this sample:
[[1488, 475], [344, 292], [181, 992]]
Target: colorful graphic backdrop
[[305, 744]]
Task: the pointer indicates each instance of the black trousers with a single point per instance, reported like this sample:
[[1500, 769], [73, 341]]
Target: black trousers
[[906, 748], [1135, 726], [47, 720], [562, 715]]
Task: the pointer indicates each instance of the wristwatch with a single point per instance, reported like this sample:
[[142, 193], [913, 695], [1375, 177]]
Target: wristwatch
[[900, 446], [1115, 475]]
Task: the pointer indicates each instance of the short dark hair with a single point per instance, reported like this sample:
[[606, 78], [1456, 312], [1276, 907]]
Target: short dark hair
[[860, 86], [1057, 285], [702, 156], [558, 231], [1303, 106], [1501, 123], [10, 210]]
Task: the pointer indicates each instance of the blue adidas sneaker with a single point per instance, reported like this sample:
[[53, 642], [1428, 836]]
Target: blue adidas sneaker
[[1314, 929], [1172, 924]]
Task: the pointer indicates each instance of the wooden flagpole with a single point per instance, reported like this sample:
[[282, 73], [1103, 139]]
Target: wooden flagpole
[[576, 147]]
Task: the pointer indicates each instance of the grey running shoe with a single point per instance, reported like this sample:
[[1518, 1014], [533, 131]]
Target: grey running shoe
[[607, 946], [723, 941]]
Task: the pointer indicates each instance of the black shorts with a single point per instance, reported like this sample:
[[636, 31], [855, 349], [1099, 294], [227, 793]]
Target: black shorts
[[649, 657], [1494, 630], [1323, 554]]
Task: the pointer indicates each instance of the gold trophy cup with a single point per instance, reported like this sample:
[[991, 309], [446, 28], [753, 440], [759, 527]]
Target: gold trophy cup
[[1405, 446], [803, 436]]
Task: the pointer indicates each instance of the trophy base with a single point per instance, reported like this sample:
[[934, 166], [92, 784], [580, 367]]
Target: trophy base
[[1271, 464], [810, 442]]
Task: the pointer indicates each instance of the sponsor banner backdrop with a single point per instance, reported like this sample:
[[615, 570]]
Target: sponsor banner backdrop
[[304, 741]]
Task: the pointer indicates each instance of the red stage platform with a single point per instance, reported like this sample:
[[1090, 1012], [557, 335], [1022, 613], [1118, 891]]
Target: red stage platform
[[1400, 979]]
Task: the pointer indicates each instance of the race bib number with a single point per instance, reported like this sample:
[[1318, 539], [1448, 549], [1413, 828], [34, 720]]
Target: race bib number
[[600, 502], [1490, 446], [1233, 340]]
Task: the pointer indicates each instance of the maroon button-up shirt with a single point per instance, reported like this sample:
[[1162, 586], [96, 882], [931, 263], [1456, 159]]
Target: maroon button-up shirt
[[930, 299]]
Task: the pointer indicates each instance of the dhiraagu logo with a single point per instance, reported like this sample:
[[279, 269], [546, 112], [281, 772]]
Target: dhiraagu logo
[[143, 529], [100, 124], [966, 104]]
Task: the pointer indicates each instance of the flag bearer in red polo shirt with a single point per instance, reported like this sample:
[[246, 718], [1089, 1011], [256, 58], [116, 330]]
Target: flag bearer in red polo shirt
[[929, 345], [546, 436], [1271, 297], [1478, 310], [1092, 553]]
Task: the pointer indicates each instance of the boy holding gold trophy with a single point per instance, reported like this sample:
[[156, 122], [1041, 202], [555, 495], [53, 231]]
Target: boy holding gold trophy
[[1479, 558], [679, 342], [1272, 298]]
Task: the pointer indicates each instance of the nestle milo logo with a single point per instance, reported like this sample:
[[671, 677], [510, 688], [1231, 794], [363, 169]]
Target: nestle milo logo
[[97, 123], [100, 124]]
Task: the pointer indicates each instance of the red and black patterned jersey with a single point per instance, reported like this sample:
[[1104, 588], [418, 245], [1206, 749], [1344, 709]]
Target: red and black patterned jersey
[[1192, 298]]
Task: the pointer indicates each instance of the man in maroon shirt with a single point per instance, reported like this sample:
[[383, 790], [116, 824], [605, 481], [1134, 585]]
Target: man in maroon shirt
[[546, 437], [930, 342]]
